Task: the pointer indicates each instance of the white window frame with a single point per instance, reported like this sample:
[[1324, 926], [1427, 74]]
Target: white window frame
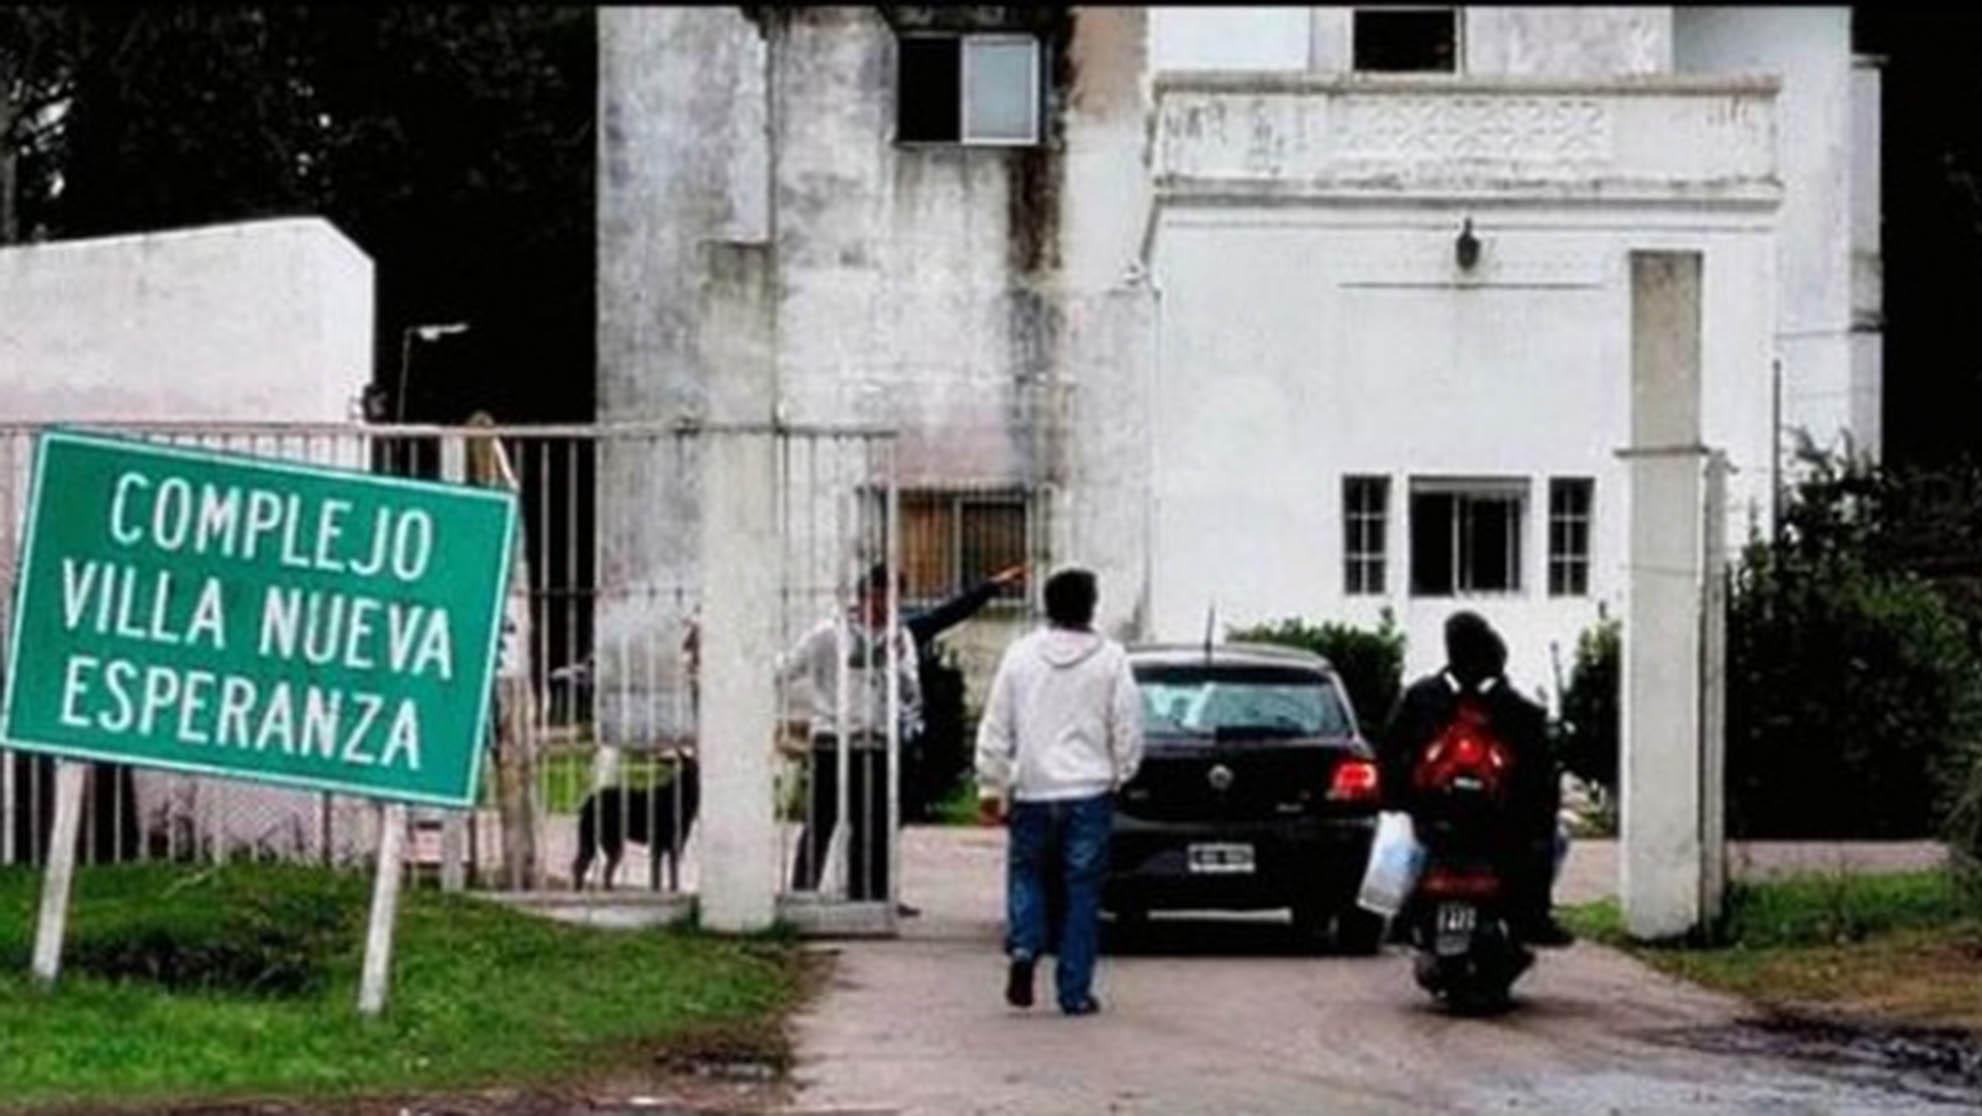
[[1367, 562], [1034, 87], [1501, 488], [1458, 37], [1567, 560]]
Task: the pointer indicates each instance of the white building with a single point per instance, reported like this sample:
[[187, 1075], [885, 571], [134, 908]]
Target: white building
[[227, 325], [1189, 284]]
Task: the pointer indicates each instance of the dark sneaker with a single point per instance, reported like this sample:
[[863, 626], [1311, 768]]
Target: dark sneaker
[[903, 910], [1018, 984], [1088, 1006], [1549, 934]]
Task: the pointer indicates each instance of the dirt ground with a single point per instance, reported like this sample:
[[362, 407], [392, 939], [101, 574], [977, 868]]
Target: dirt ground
[[1227, 1016]]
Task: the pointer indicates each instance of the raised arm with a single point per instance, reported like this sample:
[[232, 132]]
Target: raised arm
[[929, 624]]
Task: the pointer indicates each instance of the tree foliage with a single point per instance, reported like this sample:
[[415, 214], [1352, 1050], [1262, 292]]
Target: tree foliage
[[37, 56], [1590, 717], [1371, 662], [1851, 691], [1854, 688], [453, 144]]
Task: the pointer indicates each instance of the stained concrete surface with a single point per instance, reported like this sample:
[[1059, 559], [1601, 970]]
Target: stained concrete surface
[[1225, 1015]]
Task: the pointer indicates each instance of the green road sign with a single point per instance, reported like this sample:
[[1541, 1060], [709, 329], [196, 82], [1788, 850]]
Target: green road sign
[[255, 619]]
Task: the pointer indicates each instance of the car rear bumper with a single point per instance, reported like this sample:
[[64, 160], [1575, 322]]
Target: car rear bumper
[[1304, 859]]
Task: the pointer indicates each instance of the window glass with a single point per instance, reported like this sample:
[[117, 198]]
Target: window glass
[[1000, 89], [1365, 511], [1237, 701], [1569, 500]]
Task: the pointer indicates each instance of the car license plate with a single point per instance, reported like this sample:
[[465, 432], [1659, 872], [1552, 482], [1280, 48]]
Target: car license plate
[[1221, 859], [1455, 927]]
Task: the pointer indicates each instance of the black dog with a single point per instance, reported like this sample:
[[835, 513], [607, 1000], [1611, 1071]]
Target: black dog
[[616, 815]]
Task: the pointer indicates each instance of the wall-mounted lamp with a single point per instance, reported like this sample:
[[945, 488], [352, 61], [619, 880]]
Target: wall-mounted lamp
[[1467, 248]]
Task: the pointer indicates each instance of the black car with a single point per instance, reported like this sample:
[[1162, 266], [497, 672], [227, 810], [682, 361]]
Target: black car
[[1256, 792]]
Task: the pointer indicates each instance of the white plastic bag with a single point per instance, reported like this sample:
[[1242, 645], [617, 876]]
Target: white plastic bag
[[1396, 859]]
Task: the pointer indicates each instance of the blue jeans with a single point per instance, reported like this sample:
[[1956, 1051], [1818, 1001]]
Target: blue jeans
[[1072, 836]]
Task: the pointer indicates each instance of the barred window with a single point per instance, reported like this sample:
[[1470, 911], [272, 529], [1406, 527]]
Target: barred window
[[1569, 500], [952, 540], [1365, 515]]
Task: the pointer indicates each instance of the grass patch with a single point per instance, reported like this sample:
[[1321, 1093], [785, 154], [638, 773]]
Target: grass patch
[[239, 981], [1898, 947], [959, 807]]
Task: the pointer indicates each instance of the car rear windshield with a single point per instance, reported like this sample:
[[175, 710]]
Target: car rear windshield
[[1240, 701]]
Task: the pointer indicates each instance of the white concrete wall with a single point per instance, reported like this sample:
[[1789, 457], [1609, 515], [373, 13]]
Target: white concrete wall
[[1235, 38], [1567, 42], [268, 320], [1296, 349], [1822, 148], [963, 295]]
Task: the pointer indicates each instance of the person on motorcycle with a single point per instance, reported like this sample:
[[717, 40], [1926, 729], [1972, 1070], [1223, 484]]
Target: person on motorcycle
[[1476, 662]]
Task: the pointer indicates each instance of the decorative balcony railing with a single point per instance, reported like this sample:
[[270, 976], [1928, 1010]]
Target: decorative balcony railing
[[1674, 138]]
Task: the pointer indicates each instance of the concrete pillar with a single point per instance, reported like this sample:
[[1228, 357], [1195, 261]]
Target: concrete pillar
[[1661, 866], [739, 549]]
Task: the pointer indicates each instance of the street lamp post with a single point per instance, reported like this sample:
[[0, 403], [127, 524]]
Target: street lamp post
[[428, 333]]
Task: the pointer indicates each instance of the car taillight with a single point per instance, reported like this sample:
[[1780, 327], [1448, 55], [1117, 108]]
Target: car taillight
[[1354, 781]]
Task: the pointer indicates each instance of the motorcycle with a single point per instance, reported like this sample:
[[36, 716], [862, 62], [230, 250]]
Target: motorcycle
[[1460, 918]]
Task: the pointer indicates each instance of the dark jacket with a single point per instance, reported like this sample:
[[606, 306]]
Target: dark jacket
[[1428, 706]]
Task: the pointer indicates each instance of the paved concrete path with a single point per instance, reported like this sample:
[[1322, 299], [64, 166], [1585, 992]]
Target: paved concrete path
[[1225, 1016]]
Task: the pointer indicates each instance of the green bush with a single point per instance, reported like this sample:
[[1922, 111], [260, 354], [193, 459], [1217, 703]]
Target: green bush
[[1586, 735], [1371, 663], [1852, 694], [1854, 699]]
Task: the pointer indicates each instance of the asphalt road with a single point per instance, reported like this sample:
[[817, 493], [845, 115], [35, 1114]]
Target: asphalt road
[[1226, 1016]]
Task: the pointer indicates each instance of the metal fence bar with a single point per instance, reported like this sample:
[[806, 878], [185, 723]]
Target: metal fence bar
[[891, 544], [600, 690]]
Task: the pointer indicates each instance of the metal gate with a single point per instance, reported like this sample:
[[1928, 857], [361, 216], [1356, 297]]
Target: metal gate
[[592, 779]]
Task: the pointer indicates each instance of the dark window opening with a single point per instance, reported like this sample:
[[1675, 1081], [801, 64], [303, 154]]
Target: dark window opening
[[1407, 40], [930, 89], [1466, 540]]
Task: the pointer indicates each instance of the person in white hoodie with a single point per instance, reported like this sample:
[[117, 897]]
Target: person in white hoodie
[[1061, 733], [843, 662]]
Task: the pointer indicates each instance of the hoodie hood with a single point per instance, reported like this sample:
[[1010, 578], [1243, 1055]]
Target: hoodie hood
[[1473, 650], [1063, 647]]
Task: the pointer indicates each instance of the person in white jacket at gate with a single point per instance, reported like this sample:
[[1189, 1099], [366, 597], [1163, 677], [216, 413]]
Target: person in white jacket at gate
[[1060, 735]]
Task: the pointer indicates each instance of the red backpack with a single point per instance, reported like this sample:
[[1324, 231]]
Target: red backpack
[[1466, 759]]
